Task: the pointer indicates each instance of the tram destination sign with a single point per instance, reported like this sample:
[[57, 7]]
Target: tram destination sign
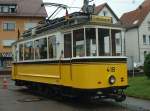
[[101, 19]]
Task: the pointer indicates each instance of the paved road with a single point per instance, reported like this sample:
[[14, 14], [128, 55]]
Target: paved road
[[19, 99]]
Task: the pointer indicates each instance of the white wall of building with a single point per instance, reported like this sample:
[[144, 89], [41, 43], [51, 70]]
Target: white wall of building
[[144, 30], [131, 40], [108, 13], [135, 48]]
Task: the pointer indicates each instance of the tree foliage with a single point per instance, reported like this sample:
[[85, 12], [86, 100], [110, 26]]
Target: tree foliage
[[147, 65]]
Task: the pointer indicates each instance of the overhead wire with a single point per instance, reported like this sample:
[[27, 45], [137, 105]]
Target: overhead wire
[[56, 13], [121, 1]]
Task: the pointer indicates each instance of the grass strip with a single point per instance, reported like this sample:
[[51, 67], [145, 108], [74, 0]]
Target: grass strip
[[139, 87]]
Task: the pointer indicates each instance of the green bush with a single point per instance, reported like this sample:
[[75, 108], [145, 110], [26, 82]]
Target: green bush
[[147, 65]]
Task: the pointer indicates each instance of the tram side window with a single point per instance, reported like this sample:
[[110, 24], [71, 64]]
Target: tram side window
[[90, 41], [78, 43], [67, 45], [37, 49], [20, 52], [116, 42], [40, 46], [15, 52], [28, 51], [52, 46], [104, 41]]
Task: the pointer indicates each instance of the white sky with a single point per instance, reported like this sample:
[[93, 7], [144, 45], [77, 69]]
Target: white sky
[[118, 6]]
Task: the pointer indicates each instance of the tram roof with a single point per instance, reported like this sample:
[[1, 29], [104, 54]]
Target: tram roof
[[77, 19]]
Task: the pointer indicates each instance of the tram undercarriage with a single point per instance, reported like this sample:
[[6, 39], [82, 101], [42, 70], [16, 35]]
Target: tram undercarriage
[[53, 91]]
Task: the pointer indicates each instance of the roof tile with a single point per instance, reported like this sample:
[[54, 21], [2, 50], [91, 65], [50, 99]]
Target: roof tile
[[26, 8], [99, 8], [136, 17]]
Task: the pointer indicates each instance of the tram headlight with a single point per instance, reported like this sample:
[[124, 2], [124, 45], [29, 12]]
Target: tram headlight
[[112, 79]]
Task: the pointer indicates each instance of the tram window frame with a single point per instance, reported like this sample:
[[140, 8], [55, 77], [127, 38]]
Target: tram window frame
[[91, 44], [52, 47], [28, 50], [103, 49], [14, 52], [79, 42], [116, 47], [68, 45], [21, 52], [40, 51]]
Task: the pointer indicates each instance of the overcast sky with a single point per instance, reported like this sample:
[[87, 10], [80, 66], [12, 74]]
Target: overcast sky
[[118, 6]]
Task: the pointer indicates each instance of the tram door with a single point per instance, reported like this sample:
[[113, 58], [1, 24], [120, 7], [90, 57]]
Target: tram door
[[68, 51]]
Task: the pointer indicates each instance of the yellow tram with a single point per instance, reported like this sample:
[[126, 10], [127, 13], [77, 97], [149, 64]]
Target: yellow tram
[[82, 55]]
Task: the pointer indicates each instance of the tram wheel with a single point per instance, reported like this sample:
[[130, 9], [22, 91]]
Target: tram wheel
[[51, 92], [120, 98]]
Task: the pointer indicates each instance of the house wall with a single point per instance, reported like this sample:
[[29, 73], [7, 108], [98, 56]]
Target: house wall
[[108, 13], [13, 35], [144, 29], [132, 52], [6, 37]]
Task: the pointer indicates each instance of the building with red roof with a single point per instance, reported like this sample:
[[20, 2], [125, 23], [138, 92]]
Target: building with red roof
[[16, 16], [137, 36], [105, 10]]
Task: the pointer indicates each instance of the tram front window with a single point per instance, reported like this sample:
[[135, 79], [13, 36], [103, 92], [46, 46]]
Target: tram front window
[[28, 51], [78, 43], [90, 34], [104, 42], [116, 42]]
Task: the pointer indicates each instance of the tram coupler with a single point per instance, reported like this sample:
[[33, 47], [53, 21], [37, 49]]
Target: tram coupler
[[118, 97]]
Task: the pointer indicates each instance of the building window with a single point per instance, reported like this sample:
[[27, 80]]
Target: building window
[[149, 25], [5, 9], [9, 26], [12, 9], [7, 64], [7, 43], [144, 39], [105, 13], [145, 53], [149, 39], [8, 8]]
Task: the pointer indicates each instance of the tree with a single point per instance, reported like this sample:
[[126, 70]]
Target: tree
[[147, 65]]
